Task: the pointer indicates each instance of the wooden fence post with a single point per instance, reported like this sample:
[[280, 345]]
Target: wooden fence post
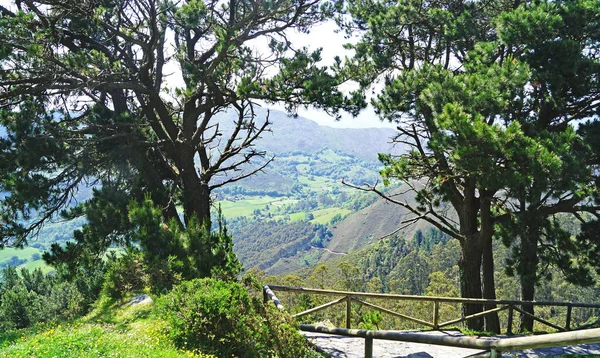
[[568, 323], [368, 347], [510, 320], [348, 311], [436, 315]]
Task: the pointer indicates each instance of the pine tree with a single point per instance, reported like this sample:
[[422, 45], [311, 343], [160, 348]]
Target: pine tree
[[486, 122]]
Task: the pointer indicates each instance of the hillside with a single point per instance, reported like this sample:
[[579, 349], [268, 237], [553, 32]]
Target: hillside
[[371, 223], [298, 134], [296, 211], [310, 235]]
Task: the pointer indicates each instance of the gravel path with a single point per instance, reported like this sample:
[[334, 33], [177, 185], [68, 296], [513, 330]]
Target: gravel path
[[350, 347]]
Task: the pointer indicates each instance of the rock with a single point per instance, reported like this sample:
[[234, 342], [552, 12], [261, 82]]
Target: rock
[[140, 299]]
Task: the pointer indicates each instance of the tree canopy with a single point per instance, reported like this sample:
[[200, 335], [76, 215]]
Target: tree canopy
[[487, 97], [124, 96]]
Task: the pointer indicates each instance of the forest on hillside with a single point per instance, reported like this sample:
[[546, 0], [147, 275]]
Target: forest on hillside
[[425, 264], [152, 109]]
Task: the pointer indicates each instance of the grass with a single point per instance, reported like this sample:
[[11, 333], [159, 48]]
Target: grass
[[330, 156], [317, 182], [32, 265], [302, 168], [321, 216], [107, 332], [324, 216], [7, 253], [246, 207], [298, 216]]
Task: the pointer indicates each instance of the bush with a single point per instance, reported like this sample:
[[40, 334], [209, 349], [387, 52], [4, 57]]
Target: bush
[[34, 297], [65, 301], [221, 318], [125, 275]]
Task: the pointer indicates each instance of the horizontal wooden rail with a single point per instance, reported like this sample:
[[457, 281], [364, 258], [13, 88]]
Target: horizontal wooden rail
[[430, 298], [359, 297], [494, 347], [321, 307], [466, 318], [562, 339], [413, 337]]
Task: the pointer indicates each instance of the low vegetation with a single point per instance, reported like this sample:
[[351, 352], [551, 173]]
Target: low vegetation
[[126, 331], [43, 317], [222, 318]]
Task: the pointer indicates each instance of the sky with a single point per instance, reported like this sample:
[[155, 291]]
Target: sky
[[325, 37]]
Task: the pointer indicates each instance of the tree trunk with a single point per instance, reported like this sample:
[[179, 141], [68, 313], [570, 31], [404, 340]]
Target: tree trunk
[[470, 279], [195, 195], [196, 203], [492, 323], [528, 264]]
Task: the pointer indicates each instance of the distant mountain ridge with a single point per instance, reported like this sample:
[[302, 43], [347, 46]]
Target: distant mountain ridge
[[296, 133]]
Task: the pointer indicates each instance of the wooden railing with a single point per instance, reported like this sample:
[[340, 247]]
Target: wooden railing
[[492, 347], [509, 305]]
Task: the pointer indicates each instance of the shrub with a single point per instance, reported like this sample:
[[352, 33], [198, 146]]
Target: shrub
[[34, 297], [15, 309], [221, 318], [65, 301], [126, 274]]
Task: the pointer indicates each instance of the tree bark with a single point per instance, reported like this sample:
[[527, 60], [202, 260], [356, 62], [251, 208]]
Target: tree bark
[[470, 277], [492, 323], [528, 263], [196, 203]]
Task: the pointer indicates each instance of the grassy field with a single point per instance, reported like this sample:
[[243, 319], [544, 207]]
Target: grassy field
[[324, 216], [36, 264], [132, 331], [298, 216], [6, 254], [321, 216], [330, 156], [316, 182], [302, 168], [246, 207]]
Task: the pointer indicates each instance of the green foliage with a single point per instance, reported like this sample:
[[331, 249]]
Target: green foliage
[[222, 318], [370, 320], [33, 297], [137, 129], [129, 331], [125, 275], [158, 254], [488, 107]]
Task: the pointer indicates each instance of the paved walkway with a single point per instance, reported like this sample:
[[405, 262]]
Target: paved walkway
[[350, 347]]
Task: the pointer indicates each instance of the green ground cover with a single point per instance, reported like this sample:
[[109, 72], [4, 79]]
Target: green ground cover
[[122, 332], [32, 265], [315, 182], [245, 207], [330, 156], [298, 216], [324, 216], [302, 168]]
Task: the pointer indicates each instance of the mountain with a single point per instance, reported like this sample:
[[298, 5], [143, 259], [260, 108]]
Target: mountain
[[296, 212], [298, 134], [372, 223], [286, 246], [301, 150]]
